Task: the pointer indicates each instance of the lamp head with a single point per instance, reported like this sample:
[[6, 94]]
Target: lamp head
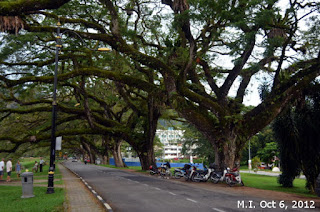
[[104, 49]]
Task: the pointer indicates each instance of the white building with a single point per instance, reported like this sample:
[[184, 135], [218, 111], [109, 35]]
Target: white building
[[172, 141]]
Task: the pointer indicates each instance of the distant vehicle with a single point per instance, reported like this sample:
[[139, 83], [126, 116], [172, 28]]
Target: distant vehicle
[[263, 165], [74, 159]]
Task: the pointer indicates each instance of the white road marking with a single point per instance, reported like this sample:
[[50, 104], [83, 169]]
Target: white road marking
[[192, 200], [100, 198], [157, 188], [107, 206], [93, 191], [89, 187], [172, 193], [216, 209], [145, 184]]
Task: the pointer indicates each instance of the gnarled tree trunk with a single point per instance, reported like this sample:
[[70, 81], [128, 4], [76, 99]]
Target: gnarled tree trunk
[[146, 159], [227, 152], [116, 152]]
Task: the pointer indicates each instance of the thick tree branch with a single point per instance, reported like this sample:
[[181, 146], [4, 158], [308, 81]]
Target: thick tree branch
[[12, 8], [116, 43], [224, 90], [264, 113], [246, 77], [87, 24], [126, 79]]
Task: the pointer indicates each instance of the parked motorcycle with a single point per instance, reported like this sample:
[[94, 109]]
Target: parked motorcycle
[[190, 172], [178, 173], [202, 175], [218, 176], [154, 170], [165, 170], [233, 177]]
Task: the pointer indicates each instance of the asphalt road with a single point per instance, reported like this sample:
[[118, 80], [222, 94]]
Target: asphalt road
[[125, 191]]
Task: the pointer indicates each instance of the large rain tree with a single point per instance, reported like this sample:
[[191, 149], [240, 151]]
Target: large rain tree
[[113, 109], [204, 54]]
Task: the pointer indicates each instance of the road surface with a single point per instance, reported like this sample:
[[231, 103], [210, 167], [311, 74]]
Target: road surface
[[125, 191]]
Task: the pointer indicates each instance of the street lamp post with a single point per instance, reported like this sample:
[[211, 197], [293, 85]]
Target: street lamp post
[[249, 161], [50, 188]]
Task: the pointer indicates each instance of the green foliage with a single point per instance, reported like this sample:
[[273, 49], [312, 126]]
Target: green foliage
[[297, 130], [209, 44], [268, 152], [255, 162], [312, 43], [286, 134], [158, 147], [196, 144], [258, 143]]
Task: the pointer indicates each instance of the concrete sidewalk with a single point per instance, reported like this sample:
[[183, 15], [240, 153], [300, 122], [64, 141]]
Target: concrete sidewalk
[[79, 198]]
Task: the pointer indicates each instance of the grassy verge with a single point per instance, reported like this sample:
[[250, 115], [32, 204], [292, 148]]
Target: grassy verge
[[11, 195], [136, 168], [11, 200], [58, 182], [270, 183], [27, 164]]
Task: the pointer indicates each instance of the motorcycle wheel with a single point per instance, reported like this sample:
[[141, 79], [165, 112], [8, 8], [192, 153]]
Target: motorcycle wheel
[[152, 173], [168, 174], [215, 178], [229, 181], [242, 184], [194, 177], [177, 175]]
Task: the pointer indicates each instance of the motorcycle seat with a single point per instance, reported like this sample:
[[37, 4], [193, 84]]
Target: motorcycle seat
[[235, 173], [201, 171]]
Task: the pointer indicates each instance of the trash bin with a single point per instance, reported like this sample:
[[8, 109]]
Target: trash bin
[[27, 185]]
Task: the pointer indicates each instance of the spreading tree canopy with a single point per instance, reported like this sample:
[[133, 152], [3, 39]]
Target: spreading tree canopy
[[190, 55]]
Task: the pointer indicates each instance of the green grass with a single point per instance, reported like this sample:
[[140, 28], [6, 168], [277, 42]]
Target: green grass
[[244, 168], [59, 182], [28, 163], [11, 200], [45, 176], [270, 183], [137, 168]]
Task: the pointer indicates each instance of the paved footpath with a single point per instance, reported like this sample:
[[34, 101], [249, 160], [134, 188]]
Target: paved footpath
[[79, 198]]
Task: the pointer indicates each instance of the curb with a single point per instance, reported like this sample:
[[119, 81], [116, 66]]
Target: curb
[[104, 203]]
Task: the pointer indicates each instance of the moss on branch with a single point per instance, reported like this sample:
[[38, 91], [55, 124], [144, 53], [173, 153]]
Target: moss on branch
[[126, 79], [264, 113], [12, 8]]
